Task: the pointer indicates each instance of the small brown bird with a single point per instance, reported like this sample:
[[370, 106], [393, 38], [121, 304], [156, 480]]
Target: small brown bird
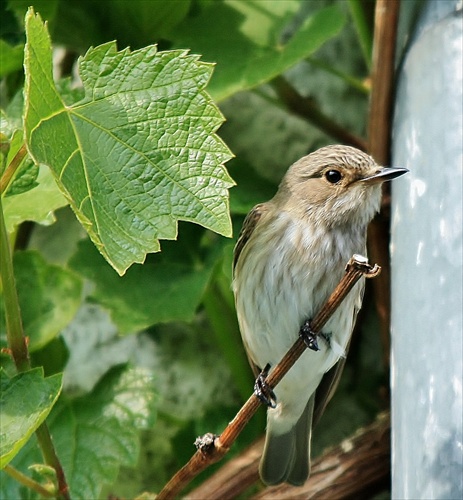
[[290, 255]]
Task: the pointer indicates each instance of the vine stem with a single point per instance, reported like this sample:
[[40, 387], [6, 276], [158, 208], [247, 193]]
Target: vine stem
[[11, 168], [27, 481], [17, 345]]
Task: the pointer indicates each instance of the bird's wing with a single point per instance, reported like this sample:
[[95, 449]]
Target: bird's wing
[[249, 224], [330, 380], [327, 387]]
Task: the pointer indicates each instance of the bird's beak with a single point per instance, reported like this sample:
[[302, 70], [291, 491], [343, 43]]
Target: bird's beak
[[385, 174]]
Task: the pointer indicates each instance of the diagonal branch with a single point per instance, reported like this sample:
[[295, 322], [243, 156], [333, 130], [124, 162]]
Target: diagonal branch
[[358, 467], [308, 109], [212, 448]]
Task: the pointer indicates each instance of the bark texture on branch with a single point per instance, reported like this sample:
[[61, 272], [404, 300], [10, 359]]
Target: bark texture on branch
[[233, 478], [357, 468]]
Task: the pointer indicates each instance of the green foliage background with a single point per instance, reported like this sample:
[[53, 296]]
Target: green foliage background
[[153, 358]]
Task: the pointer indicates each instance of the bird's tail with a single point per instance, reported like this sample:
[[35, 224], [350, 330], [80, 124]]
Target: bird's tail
[[286, 457]]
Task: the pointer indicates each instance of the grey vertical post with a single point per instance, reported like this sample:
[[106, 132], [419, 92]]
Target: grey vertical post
[[427, 260]]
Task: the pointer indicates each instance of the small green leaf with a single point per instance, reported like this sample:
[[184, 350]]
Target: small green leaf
[[27, 172], [49, 297], [247, 40], [140, 22], [37, 205], [25, 179], [53, 357], [128, 395], [98, 433], [26, 400], [168, 287], [33, 194], [138, 153], [11, 58]]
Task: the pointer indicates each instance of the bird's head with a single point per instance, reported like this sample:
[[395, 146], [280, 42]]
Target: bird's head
[[335, 185]]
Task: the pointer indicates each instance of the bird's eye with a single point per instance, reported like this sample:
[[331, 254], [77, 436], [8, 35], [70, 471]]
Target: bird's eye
[[333, 176]]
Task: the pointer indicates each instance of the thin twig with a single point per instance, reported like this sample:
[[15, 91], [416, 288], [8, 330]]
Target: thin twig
[[28, 482], [10, 170], [233, 478], [211, 448], [379, 127], [379, 140], [357, 11], [358, 467], [308, 109], [360, 85], [16, 339]]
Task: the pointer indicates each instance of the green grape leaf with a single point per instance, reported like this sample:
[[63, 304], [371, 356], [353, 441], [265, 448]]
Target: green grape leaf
[[49, 297], [32, 194], [11, 58], [168, 287], [127, 394], [25, 180], [26, 400], [249, 40], [138, 153], [96, 434], [37, 204]]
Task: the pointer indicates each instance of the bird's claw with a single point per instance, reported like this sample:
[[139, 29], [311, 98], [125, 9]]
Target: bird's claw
[[263, 391], [309, 336]]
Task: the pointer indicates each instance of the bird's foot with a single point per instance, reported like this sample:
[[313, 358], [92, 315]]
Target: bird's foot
[[263, 391], [308, 336]]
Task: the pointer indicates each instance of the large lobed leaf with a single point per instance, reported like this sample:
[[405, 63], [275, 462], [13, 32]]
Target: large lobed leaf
[[95, 434], [138, 153], [26, 400], [98, 433], [249, 40], [49, 297], [168, 287]]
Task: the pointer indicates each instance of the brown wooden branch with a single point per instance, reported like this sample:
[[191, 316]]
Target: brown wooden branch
[[356, 468], [308, 109], [382, 79], [379, 143], [211, 448], [11, 169], [235, 477]]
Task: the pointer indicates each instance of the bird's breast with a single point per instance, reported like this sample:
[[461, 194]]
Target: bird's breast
[[284, 274]]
